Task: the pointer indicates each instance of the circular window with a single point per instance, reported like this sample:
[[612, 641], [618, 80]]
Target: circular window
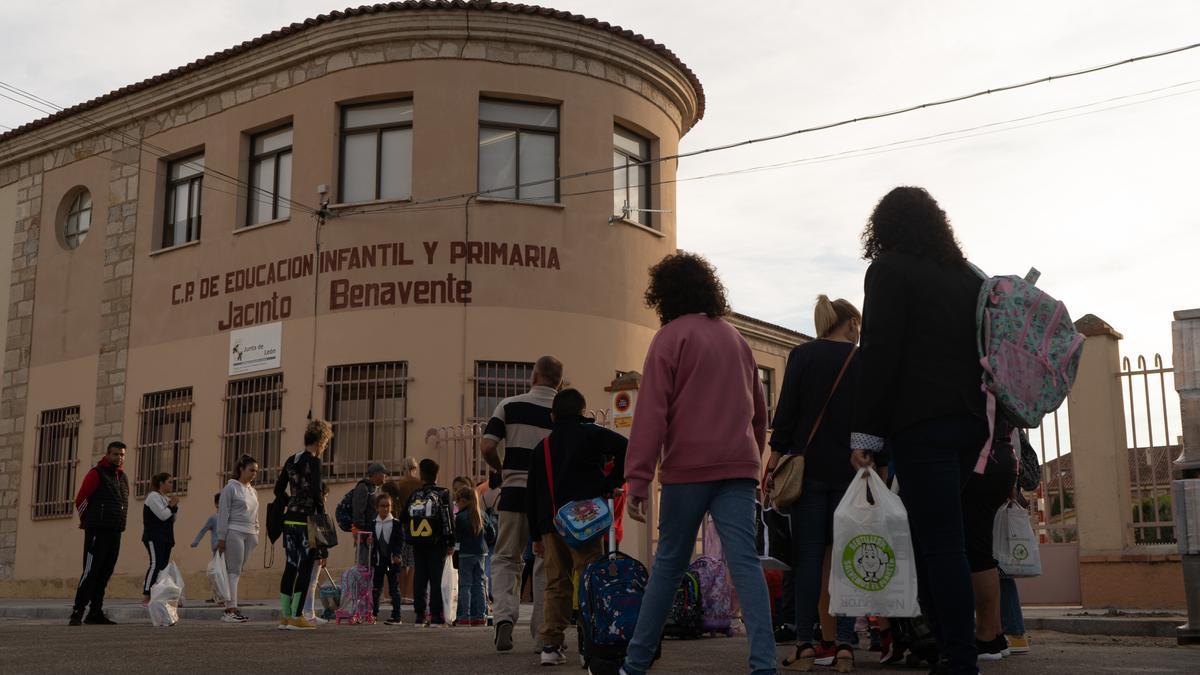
[[78, 220]]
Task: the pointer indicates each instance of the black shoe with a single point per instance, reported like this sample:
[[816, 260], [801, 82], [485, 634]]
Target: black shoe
[[504, 641], [785, 635], [76, 618], [98, 619], [992, 650]]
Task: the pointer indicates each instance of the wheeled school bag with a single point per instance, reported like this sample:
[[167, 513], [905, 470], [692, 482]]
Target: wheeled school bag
[[610, 598], [716, 597], [357, 605], [687, 612], [1029, 350]]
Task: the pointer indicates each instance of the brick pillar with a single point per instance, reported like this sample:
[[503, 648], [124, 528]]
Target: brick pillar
[[1101, 465], [17, 354], [117, 299]]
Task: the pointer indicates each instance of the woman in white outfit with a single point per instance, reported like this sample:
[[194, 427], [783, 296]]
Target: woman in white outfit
[[237, 529]]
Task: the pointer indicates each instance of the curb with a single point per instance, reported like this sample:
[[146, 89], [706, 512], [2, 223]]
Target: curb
[[134, 615], [1124, 627]]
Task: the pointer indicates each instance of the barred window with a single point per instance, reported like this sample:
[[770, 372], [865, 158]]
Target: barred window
[[164, 438], [254, 425], [57, 456], [767, 377], [367, 406], [496, 381]]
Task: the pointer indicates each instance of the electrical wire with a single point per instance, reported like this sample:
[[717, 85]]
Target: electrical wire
[[906, 144], [150, 148], [819, 127]]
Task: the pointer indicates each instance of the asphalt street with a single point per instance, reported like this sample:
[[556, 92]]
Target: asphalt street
[[207, 646]]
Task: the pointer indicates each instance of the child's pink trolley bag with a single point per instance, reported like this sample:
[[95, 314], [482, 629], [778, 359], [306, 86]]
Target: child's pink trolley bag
[[717, 596], [357, 603]]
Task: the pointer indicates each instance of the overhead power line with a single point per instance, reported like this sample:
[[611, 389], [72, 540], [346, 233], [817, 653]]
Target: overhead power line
[[893, 146], [807, 130]]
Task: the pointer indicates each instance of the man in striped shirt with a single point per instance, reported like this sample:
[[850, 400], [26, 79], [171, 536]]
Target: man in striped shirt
[[522, 422]]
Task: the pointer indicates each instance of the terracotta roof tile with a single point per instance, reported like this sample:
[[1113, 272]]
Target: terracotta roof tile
[[411, 5]]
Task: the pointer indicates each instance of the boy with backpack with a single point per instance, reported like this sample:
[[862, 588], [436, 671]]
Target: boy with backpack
[[429, 527], [568, 468]]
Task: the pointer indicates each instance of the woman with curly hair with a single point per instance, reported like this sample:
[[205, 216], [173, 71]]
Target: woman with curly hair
[[701, 420], [919, 387]]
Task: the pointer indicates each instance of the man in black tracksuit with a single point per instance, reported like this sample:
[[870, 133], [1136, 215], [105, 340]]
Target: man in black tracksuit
[[103, 504]]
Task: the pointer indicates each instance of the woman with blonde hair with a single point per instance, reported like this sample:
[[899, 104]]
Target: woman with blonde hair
[[302, 474], [812, 420]]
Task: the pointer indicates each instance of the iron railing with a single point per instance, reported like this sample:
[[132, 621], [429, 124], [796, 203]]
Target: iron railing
[[57, 457], [253, 425], [1053, 512], [164, 438], [1151, 448]]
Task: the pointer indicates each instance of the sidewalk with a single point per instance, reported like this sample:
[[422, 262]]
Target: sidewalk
[[1072, 620]]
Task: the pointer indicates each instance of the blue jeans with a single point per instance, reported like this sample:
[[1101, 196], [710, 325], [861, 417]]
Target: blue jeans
[[683, 505], [1012, 621], [471, 602], [934, 459], [812, 533]]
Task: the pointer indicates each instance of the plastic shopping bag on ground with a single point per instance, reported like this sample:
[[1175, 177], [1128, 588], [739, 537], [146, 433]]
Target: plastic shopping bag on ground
[[218, 578], [165, 596], [874, 572], [449, 592], [1014, 544]]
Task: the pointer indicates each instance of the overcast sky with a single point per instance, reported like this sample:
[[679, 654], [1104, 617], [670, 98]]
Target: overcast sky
[[1104, 204]]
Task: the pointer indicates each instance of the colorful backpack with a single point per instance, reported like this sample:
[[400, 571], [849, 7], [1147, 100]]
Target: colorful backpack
[[1029, 350], [610, 598], [687, 612], [716, 597]]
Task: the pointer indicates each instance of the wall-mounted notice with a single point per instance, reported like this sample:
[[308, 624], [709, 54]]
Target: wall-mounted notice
[[256, 348]]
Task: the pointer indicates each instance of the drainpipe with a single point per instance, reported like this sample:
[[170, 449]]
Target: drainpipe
[[1186, 491]]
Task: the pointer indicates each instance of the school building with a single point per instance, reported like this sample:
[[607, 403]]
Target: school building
[[202, 259]]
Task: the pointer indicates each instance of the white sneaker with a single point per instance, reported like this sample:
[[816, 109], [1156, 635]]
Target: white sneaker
[[230, 617], [553, 656]]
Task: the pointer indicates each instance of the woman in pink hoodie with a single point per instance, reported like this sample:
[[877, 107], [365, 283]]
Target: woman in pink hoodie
[[701, 419]]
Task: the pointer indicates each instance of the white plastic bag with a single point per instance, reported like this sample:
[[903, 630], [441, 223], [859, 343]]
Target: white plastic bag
[[1014, 544], [449, 592], [874, 571], [218, 578], [165, 596]]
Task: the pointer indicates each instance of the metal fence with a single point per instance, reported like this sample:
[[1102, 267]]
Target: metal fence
[[57, 457], [1053, 511], [253, 425], [367, 406], [1150, 398], [164, 438]]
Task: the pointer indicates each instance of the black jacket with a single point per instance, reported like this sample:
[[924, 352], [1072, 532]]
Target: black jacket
[[107, 507], [382, 552], [363, 504], [811, 370], [578, 451], [302, 473], [920, 357]]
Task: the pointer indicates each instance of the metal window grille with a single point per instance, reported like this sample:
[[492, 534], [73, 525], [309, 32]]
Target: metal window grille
[[766, 376], [57, 457], [164, 438], [254, 425], [496, 381], [367, 406]]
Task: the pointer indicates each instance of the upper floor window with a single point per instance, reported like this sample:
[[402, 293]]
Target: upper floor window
[[182, 221], [376, 152], [270, 176], [78, 220], [631, 179], [518, 150]]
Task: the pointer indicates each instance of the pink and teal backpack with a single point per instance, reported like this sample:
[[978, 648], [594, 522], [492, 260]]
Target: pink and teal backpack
[[1029, 350]]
